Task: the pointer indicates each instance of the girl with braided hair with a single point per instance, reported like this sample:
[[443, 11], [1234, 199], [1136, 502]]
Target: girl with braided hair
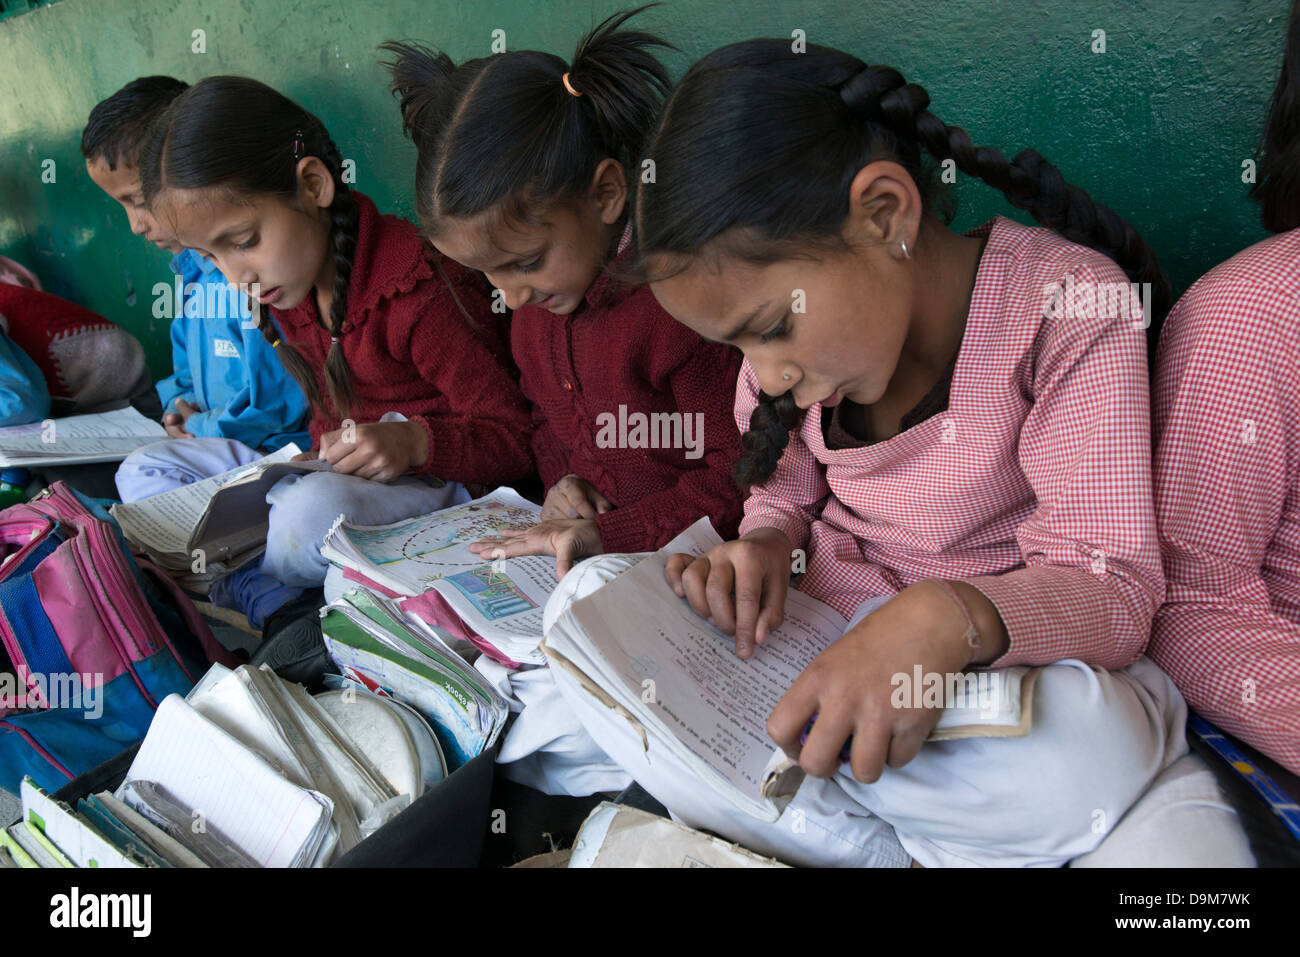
[[373, 321], [950, 434]]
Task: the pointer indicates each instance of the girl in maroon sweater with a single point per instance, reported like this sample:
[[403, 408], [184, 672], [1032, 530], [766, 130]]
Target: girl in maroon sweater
[[393, 344], [523, 174]]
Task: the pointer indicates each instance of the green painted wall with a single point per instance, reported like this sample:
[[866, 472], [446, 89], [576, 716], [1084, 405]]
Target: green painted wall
[[1157, 126]]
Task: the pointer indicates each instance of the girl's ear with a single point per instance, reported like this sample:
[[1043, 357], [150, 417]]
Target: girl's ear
[[315, 182], [884, 207], [609, 190]]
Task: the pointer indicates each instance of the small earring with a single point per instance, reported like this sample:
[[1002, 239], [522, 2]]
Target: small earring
[[906, 253], [786, 376]]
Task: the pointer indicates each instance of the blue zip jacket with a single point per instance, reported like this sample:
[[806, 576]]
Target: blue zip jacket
[[226, 367], [24, 396]]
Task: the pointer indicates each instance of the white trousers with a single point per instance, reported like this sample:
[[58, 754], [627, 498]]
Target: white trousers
[[1098, 741]]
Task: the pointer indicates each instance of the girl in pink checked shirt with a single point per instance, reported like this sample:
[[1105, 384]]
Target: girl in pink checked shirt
[[965, 461], [1226, 397]]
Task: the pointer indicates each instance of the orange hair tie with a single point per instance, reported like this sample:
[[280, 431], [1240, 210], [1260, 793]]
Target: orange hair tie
[[569, 86]]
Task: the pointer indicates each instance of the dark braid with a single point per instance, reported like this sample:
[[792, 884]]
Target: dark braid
[[344, 216], [879, 94], [765, 142], [769, 433], [343, 243]]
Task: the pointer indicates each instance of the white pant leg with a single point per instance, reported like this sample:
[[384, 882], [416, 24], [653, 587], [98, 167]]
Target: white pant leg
[[303, 507], [546, 746], [1098, 739], [1182, 820], [163, 466]]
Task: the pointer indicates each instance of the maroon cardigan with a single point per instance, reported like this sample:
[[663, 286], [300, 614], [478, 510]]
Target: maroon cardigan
[[412, 350], [621, 348]]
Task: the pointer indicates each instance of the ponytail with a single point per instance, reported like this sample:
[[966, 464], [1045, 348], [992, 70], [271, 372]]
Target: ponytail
[[520, 130], [761, 140], [242, 136]]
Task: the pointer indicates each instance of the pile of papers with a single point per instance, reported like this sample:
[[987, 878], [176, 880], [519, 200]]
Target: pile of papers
[[248, 771], [78, 439], [374, 642]]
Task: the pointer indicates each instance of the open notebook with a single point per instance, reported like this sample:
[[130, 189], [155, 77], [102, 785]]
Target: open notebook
[[205, 770], [78, 439]]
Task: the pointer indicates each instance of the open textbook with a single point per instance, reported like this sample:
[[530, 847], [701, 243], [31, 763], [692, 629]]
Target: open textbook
[[501, 601], [223, 517], [78, 439], [644, 652]]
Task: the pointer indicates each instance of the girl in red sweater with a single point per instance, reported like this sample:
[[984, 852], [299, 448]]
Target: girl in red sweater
[[393, 344], [523, 174]]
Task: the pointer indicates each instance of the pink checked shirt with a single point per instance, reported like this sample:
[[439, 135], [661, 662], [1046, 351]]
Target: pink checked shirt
[[1227, 420], [1034, 485]]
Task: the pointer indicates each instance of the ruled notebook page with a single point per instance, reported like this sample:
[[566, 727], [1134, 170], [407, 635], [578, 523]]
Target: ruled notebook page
[[272, 820]]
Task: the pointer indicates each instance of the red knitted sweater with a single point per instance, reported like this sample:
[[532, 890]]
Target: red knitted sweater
[[620, 348], [411, 350]]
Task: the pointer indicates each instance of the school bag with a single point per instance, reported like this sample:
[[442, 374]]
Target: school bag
[[96, 638]]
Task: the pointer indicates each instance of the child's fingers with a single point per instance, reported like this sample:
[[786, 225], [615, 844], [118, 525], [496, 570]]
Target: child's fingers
[[717, 590], [906, 743], [776, 583], [330, 446], [694, 577], [358, 461], [602, 504], [567, 550], [871, 744], [792, 713], [677, 563], [820, 754], [579, 507], [748, 585]]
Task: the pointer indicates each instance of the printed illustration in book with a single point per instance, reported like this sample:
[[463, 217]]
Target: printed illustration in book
[[500, 600]]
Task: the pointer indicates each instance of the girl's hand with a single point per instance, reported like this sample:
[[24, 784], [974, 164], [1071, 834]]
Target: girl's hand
[[574, 497], [849, 685], [568, 539], [754, 568], [377, 450]]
